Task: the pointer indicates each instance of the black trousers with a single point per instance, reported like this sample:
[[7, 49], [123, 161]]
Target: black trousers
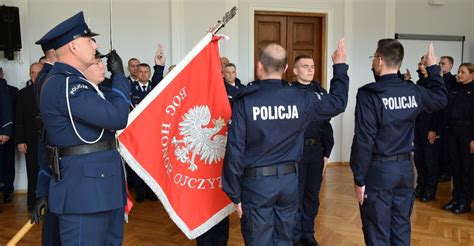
[[426, 160], [463, 165], [32, 170], [389, 200], [310, 170], [216, 236], [7, 164]]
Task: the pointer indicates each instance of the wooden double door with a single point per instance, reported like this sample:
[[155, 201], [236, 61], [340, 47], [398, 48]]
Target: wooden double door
[[298, 33]]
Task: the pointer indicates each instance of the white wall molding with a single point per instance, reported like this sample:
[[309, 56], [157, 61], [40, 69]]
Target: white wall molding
[[177, 31]]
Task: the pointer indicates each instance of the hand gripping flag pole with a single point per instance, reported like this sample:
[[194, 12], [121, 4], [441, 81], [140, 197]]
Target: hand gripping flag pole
[[175, 138]]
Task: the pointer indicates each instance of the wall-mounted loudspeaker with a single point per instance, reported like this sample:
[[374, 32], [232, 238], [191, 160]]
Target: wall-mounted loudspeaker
[[10, 36]]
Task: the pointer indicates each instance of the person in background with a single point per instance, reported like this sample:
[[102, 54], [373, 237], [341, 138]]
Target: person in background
[[461, 139], [26, 132]]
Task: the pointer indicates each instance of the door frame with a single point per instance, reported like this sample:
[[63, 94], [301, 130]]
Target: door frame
[[328, 27]]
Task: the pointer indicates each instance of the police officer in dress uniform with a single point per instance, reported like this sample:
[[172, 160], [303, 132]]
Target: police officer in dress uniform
[[461, 139], [380, 157], [87, 192], [266, 140], [318, 143], [50, 228]]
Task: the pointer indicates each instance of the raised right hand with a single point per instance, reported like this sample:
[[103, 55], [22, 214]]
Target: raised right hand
[[339, 56], [430, 58]]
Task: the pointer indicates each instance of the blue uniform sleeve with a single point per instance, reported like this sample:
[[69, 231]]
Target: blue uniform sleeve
[[157, 75], [88, 107], [364, 136], [233, 168], [6, 112], [329, 105], [434, 97]]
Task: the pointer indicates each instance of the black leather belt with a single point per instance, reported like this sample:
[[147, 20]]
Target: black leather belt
[[399, 157], [88, 148], [273, 170], [310, 141]]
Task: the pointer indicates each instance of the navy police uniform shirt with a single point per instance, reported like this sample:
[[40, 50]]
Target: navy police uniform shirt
[[321, 130], [91, 182], [232, 90], [460, 108], [428, 121], [385, 116], [268, 125], [6, 108]]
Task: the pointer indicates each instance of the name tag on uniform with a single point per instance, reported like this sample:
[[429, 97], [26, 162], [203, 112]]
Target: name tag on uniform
[[275, 112], [404, 102]]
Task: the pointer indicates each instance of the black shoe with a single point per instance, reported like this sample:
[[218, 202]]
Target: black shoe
[[419, 191], [309, 242], [462, 208], [139, 198], [444, 178], [427, 197], [450, 205], [8, 197]]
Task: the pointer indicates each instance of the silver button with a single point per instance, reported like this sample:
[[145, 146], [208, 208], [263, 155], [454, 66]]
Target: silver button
[[102, 175]]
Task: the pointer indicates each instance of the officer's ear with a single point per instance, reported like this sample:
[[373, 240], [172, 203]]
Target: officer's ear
[[72, 47]]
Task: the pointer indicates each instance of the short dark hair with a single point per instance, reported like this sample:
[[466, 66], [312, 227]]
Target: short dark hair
[[269, 57], [469, 66], [450, 59], [302, 57], [230, 65], [391, 50], [132, 59], [41, 58], [144, 65]]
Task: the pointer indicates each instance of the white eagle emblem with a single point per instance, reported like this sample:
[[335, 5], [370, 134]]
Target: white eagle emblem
[[199, 140]]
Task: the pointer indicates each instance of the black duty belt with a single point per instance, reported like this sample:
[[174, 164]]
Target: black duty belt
[[311, 141], [88, 148], [273, 170], [460, 123], [399, 157]]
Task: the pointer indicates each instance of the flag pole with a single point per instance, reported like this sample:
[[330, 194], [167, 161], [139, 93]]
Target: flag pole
[[221, 23]]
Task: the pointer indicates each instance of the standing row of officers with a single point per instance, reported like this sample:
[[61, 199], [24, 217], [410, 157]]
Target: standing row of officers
[[273, 179]]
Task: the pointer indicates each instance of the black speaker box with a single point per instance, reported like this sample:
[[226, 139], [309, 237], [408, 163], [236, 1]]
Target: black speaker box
[[10, 35]]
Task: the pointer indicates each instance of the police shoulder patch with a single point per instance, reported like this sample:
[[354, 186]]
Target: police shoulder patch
[[76, 86]]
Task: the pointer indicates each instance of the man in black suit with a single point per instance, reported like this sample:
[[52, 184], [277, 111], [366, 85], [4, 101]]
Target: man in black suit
[[26, 132]]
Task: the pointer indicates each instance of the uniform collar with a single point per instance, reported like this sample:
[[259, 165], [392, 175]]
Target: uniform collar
[[63, 67], [391, 76]]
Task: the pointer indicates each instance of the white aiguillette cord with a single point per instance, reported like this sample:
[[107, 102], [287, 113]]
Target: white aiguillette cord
[[72, 121]]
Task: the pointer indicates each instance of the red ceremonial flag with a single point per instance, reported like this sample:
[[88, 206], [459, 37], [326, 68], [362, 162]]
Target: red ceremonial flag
[[176, 137]]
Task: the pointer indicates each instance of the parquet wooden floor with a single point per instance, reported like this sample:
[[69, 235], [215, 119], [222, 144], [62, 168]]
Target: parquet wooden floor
[[338, 222]]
